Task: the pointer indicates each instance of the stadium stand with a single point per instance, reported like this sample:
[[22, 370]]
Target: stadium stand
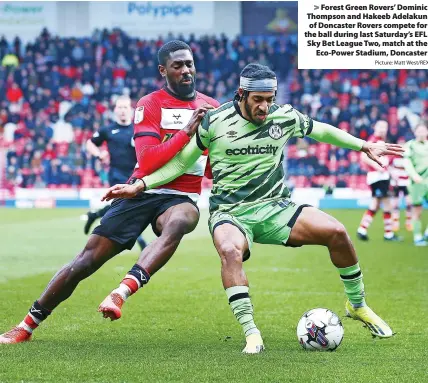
[[55, 92]]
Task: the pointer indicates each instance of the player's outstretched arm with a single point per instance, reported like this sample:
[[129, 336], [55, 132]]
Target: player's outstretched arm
[[173, 169], [366, 160], [330, 135]]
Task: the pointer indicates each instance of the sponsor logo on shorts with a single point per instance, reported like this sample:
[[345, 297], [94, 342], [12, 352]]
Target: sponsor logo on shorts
[[252, 150]]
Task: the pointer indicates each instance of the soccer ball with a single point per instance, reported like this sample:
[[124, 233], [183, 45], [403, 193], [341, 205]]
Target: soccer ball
[[320, 330]]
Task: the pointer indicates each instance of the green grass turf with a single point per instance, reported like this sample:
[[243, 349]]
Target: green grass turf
[[180, 327]]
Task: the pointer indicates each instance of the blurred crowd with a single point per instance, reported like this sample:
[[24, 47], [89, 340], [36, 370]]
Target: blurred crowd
[[56, 92], [352, 100]]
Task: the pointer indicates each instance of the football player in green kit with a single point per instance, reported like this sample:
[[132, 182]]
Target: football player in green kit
[[249, 201]]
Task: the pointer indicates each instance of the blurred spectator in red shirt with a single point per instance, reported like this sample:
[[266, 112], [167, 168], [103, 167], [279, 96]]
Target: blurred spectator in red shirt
[[49, 153], [14, 93]]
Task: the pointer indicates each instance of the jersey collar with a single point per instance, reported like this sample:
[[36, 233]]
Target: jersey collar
[[238, 109], [123, 126]]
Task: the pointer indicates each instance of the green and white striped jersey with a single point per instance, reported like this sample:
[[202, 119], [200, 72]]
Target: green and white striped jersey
[[246, 159]]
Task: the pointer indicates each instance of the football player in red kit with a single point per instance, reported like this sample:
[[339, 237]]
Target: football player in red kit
[[164, 121], [378, 178], [400, 181]]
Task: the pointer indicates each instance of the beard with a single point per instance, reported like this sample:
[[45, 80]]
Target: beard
[[250, 115], [184, 90]]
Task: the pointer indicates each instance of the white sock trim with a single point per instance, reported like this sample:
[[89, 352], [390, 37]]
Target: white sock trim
[[123, 290], [231, 291], [362, 231], [26, 327], [254, 330], [36, 320]]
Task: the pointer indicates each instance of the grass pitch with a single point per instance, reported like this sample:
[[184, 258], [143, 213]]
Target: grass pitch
[[180, 327]]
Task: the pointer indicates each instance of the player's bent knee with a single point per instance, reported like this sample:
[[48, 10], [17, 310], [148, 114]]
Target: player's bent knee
[[230, 253], [338, 234], [83, 265], [179, 226]]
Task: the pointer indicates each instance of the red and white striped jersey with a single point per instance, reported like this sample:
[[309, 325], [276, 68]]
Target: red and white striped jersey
[[373, 174], [399, 176]]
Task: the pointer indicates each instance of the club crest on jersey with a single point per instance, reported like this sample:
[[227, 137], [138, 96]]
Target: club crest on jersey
[[139, 115], [275, 132]]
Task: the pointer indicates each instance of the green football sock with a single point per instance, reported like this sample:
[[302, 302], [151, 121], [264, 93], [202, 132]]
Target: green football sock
[[242, 308], [352, 279], [417, 230]]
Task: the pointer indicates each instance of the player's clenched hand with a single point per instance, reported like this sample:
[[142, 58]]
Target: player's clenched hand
[[375, 150], [196, 119], [121, 191]]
